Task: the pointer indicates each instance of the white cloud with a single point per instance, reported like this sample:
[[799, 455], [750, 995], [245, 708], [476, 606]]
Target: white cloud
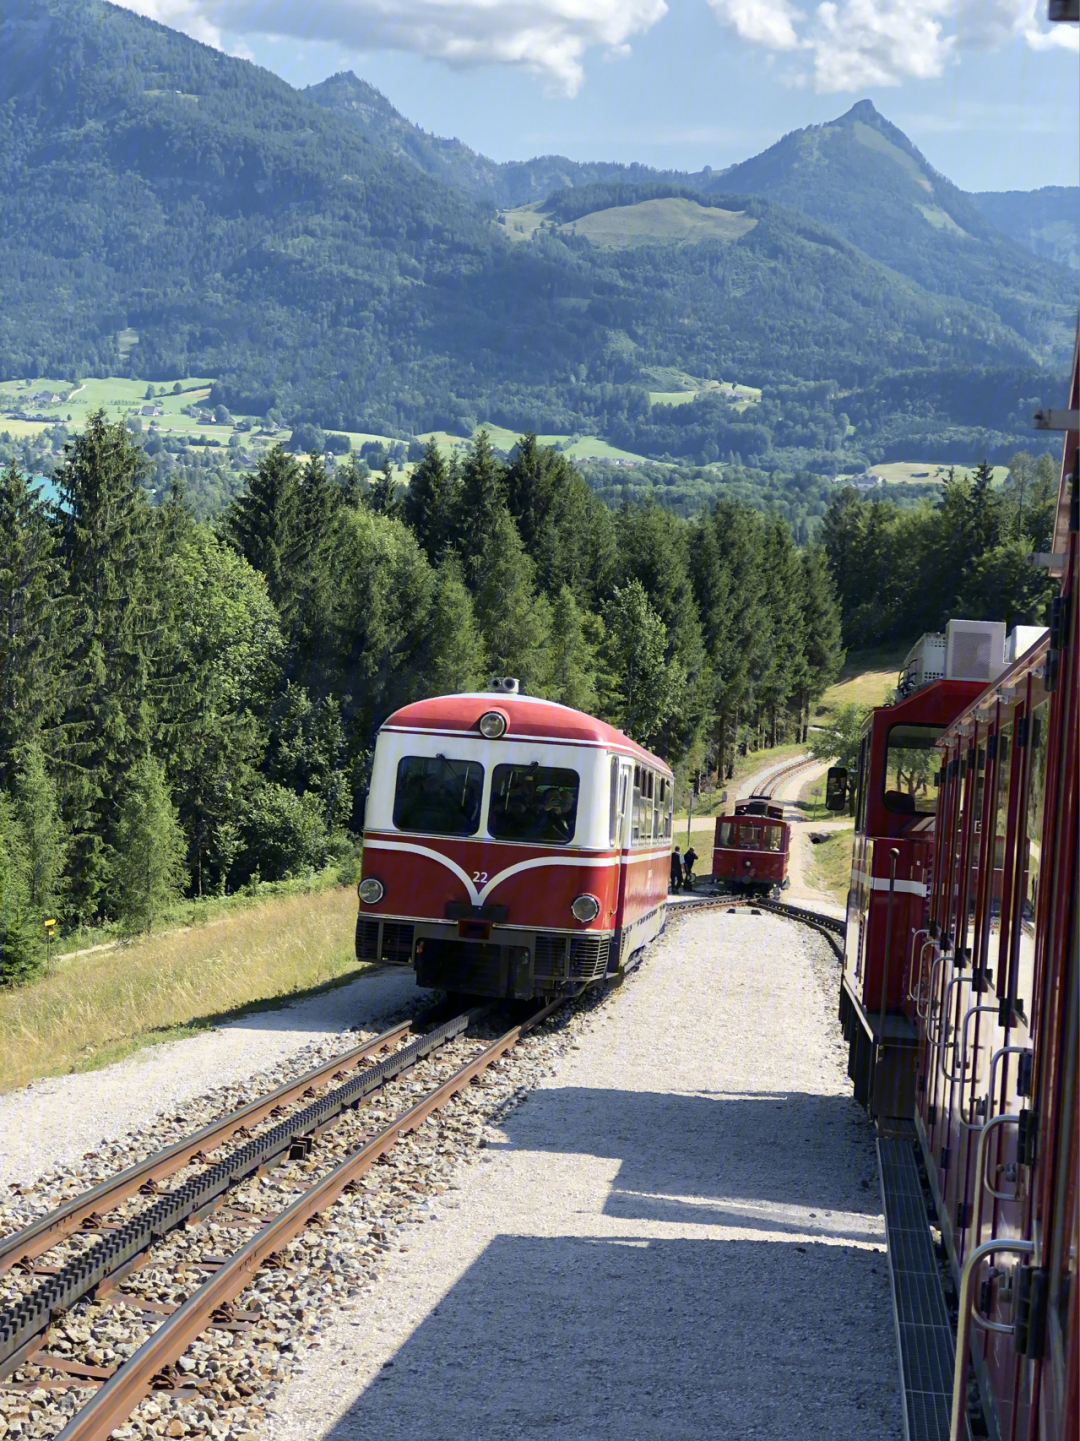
[[852, 44], [549, 37]]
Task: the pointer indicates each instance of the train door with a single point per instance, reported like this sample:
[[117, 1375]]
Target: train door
[[623, 818]]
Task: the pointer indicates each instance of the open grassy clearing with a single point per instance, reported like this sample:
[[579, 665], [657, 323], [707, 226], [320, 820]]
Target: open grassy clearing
[[865, 678], [675, 220], [829, 864], [94, 1009], [929, 472]]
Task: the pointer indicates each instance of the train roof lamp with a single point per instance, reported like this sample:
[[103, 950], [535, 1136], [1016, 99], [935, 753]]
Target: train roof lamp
[[504, 684]]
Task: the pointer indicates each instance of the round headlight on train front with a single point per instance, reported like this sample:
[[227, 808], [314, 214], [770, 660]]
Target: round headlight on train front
[[371, 891], [585, 908], [492, 725]]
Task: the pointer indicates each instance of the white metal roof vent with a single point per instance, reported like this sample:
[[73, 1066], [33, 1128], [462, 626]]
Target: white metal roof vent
[[1020, 640], [925, 663], [974, 649], [504, 684]]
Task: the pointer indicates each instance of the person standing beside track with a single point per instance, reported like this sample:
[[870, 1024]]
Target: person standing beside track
[[689, 860], [676, 870]]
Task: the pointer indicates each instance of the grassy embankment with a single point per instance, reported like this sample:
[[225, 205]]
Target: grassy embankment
[[92, 1009], [829, 864]]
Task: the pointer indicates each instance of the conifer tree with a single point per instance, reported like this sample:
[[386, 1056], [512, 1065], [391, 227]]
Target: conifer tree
[[481, 504], [31, 640], [150, 846], [44, 844], [428, 502], [265, 524], [21, 943], [646, 689], [108, 553], [570, 676], [823, 650], [454, 654], [514, 621], [384, 497]]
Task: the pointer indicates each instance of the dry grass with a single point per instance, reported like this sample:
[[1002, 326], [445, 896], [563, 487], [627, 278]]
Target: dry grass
[[866, 677], [93, 1009], [829, 864]]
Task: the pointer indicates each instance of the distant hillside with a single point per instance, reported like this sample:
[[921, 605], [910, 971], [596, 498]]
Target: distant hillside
[[173, 211], [864, 177], [1046, 222], [513, 183]]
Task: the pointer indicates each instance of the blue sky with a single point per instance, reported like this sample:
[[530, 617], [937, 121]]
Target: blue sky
[[985, 88]]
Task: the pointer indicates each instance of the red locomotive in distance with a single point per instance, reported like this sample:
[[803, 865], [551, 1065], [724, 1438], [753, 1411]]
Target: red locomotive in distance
[[750, 850], [513, 847]]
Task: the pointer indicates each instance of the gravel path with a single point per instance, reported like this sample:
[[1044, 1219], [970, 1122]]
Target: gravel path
[[54, 1122], [676, 1237], [801, 891]]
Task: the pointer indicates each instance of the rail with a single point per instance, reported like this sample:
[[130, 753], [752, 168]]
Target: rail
[[121, 1250], [133, 1380], [34, 1240]]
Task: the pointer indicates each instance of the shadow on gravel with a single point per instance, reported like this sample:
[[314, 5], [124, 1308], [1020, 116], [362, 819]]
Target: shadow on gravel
[[575, 1339], [676, 1338], [798, 1150]]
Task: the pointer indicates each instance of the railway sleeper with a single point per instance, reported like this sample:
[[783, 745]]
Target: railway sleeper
[[98, 1270]]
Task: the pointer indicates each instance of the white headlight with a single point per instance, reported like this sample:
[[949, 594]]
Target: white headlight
[[585, 908], [371, 891], [492, 725]]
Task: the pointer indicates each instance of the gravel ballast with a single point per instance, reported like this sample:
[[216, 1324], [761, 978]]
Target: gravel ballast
[[678, 1235], [53, 1123]]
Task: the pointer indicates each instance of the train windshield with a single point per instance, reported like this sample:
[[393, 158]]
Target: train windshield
[[438, 795], [533, 803], [911, 767], [751, 835]]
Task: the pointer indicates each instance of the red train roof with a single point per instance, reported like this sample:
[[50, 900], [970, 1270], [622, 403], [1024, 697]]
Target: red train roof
[[527, 717]]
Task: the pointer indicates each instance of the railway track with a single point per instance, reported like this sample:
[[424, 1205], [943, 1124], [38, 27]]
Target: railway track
[[785, 773], [131, 1244]]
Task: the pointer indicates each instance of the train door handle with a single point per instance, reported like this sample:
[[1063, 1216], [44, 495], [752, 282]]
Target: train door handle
[[911, 995], [943, 1040], [972, 1262], [960, 1060]]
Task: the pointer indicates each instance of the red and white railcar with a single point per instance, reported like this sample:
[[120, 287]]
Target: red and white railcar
[[750, 849], [512, 847]]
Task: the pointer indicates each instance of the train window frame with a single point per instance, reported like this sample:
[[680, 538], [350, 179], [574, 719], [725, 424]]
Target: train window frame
[[446, 762], [537, 772], [933, 734], [613, 802]]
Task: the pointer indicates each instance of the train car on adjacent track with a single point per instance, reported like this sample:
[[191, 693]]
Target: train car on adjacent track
[[960, 994], [750, 849], [513, 847]]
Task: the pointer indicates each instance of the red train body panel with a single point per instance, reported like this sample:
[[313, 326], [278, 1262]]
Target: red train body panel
[[750, 849], [530, 861], [960, 991]]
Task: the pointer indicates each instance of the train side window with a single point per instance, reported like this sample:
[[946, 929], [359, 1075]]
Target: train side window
[[772, 836], [613, 803], [727, 834], [636, 829], [533, 803], [860, 787], [909, 785], [437, 795]]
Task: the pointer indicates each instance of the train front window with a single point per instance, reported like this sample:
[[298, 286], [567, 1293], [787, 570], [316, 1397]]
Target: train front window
[[533, 803], [910, 782], [438, 796]]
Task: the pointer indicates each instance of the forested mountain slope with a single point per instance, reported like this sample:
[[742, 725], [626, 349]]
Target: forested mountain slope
[[1046, 221], [863, 176], [170, 210], [514, 182]]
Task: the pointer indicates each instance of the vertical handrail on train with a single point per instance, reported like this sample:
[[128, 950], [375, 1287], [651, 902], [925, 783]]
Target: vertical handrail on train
[[980, 1170], [994, 1059], [963, 1323], [942, 1036], [971, 1011], [928, 994], [894, 856], [929, 1017], [911, 995]]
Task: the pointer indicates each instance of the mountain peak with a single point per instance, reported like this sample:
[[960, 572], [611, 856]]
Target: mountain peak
[[864, 110]]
